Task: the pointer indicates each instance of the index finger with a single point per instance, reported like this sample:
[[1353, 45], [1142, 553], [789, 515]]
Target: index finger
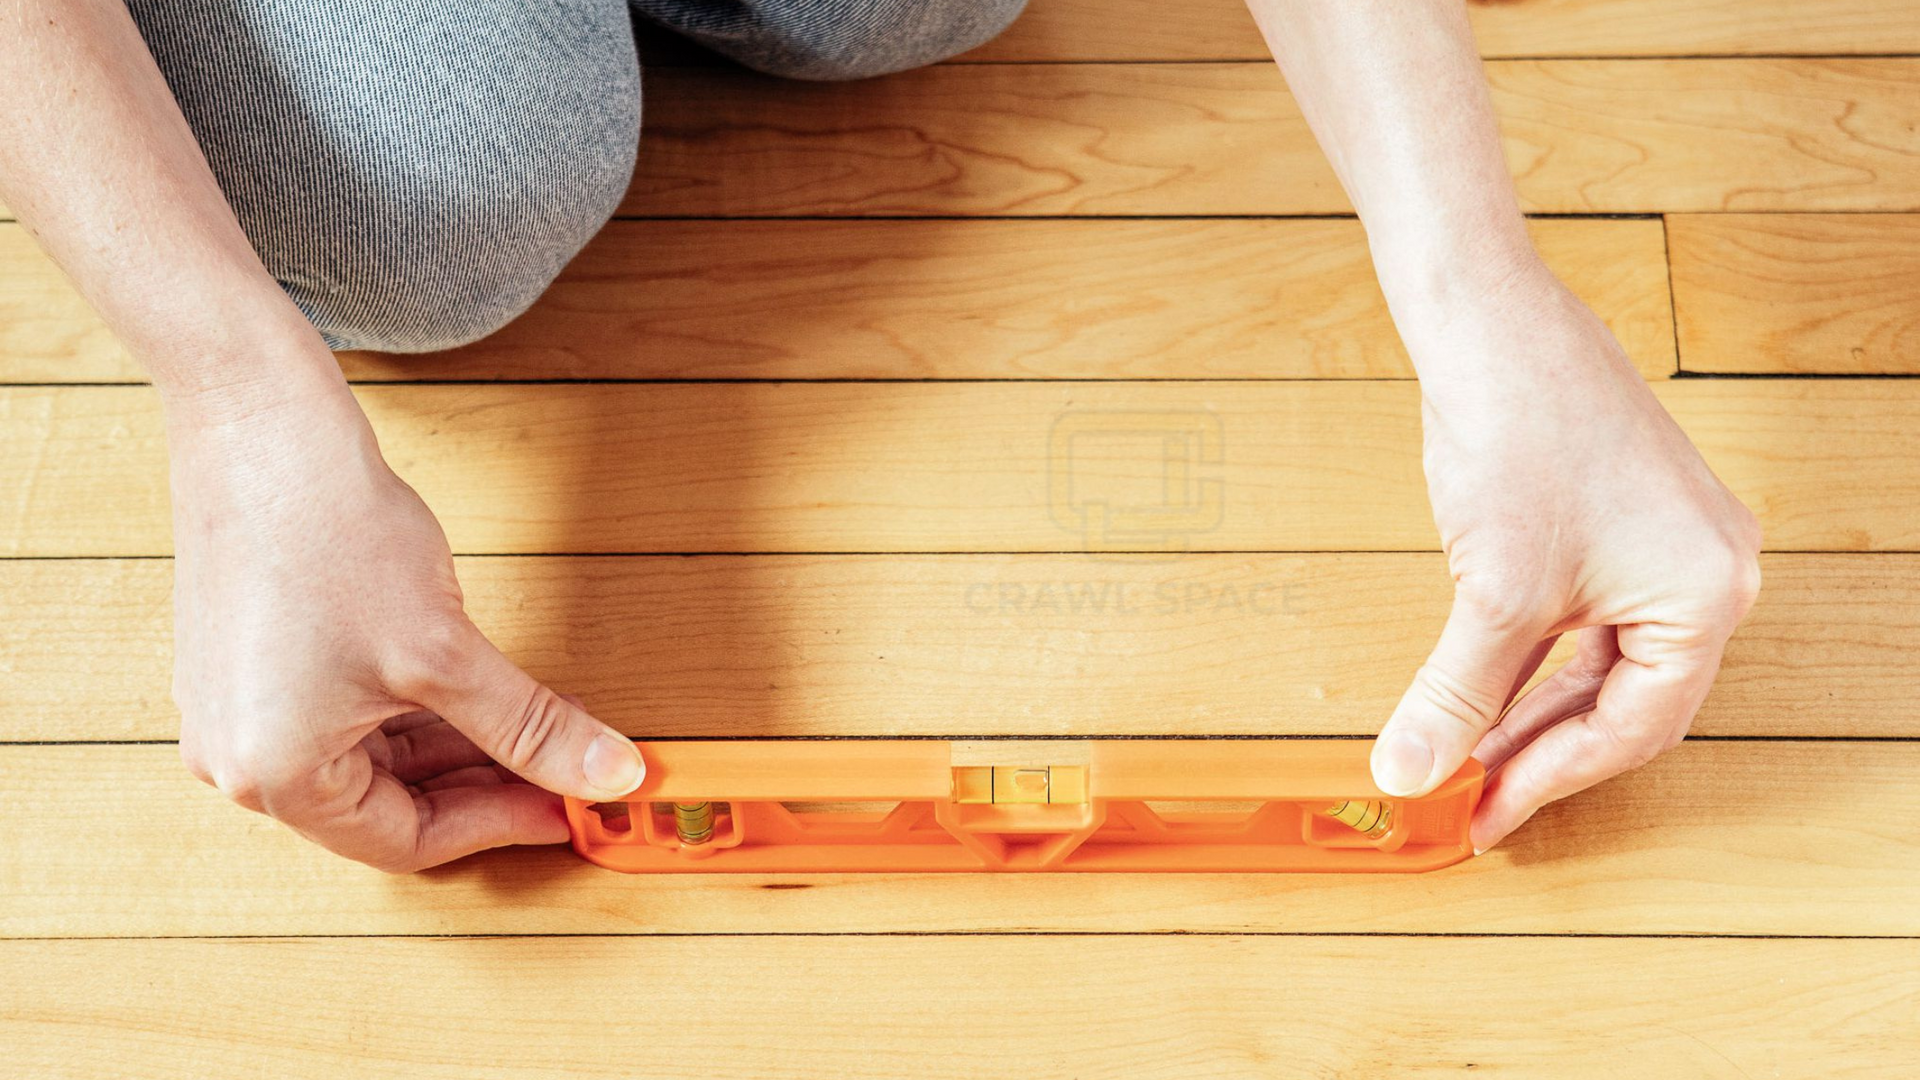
[[373, 818], [1644, 707]]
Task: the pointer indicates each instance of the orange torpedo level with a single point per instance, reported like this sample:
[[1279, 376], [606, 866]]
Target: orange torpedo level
[[912, 805]]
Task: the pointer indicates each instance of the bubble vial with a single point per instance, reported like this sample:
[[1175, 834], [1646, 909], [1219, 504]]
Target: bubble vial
[[1372, 818], [693, 822]]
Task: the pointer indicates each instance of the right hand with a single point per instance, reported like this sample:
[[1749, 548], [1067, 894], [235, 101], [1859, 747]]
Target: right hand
[[325, 669]]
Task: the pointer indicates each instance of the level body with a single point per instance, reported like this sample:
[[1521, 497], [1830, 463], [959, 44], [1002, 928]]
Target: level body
[[1122, 805]]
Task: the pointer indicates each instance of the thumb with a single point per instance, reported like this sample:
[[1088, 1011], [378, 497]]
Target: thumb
[[547, 738], [1456, 697]]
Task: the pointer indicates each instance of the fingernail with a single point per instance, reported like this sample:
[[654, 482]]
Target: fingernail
[[1401, 764], [1479, 851], [613, 765]]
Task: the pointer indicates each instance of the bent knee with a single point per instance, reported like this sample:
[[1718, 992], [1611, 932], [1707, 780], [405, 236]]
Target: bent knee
[[837, 40], [423, 259], [409, 191], [433, 273]]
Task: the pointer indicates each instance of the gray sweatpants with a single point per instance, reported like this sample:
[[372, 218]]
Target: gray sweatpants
[[416, 173]]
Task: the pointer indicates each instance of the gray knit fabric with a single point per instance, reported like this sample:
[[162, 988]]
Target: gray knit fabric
[[416, 174]]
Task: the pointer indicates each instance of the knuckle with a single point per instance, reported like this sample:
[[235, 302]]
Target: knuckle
[[1748, 526], [389, 855], [1592, 662], [239, 782], [539, 720], [406, 857], [248, 771], [1730, 581], [1452, 698], [396, 754], [1673, 738], [1637, 747], [194, 757], [334, 786], [1746, 581], [398, 863]]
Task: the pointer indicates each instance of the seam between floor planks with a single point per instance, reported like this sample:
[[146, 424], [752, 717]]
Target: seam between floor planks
[[1121, 31], [1603, 135], [1099, 30], [786, 645], [1724, 837], [1012, 299], [1728, 1030], [1037, 935]]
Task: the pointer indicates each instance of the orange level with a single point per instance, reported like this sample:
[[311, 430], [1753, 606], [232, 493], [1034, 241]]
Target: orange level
[[913, 805]]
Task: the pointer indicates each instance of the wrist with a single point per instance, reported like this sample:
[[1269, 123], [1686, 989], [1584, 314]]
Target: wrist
[[1475, 319], [282, 409], [1433, 281], [236, 385], [260, 354]]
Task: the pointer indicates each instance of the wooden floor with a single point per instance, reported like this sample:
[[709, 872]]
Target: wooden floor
[[773, 458]]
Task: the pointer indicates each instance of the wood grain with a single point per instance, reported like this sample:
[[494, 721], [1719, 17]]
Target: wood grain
[[1083, 30], [932, 585], [928, 299], [1178, 1008], [1827, 294], [830, 467], [47, 332], [977, 644], [981, 139], [1129, 139], [1006, 299], [1713, 838]]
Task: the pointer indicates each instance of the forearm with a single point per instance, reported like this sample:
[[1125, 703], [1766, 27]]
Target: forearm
[[1395, 93], [98, 163]]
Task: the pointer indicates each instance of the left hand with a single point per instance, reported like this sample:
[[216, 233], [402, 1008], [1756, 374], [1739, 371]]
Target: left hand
[[1567, 500]]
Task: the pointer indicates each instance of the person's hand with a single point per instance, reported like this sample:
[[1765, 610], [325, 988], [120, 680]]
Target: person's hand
[[325, 670], [1567, 499]]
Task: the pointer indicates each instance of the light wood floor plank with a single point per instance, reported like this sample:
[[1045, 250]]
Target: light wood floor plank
[[1084, 30], [1760, 844], [1826, 294], [1049, 139], [47, 332], [928, 299], [1713, 838], [1193, 1008], [1301, 466], [977, 644]]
